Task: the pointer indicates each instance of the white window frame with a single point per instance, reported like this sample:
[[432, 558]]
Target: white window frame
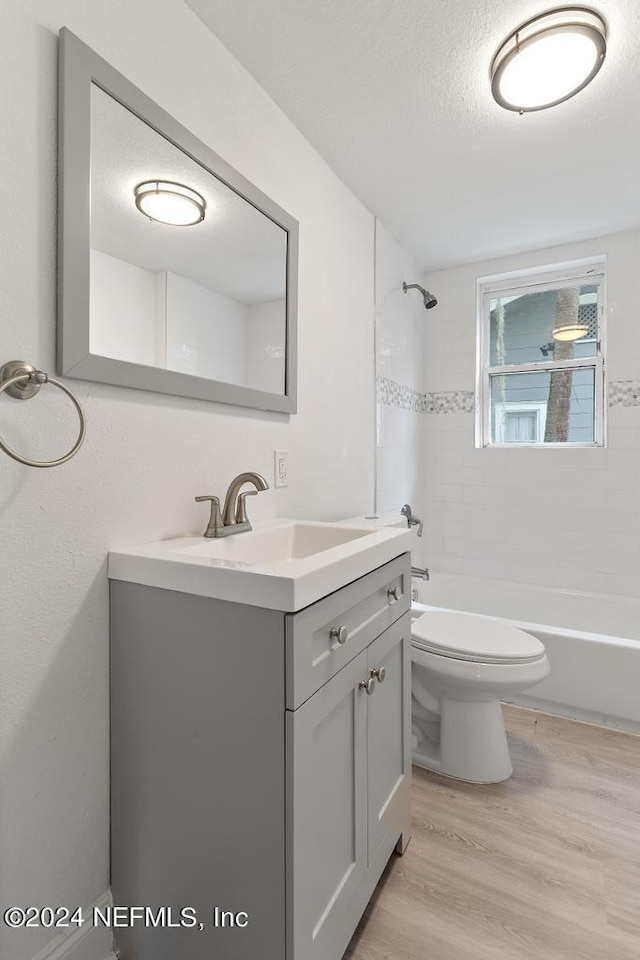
[[520, 406], [539, 279]]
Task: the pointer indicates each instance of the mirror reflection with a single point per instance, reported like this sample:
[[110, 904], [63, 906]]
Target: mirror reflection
[[185, 274]]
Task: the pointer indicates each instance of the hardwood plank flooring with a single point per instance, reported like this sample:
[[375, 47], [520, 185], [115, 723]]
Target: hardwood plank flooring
[[545, 866]]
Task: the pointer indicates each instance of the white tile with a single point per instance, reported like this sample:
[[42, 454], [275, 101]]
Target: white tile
[[577, 578], [486, 494], [464, 548], [530, 573], [447, 492], [449, 564], [388, 500], [480, 567], [627, 585], [450, 527], [621, 438], [610, 561]]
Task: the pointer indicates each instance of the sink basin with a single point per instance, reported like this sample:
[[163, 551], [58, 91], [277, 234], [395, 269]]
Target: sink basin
[[280, 564], [293, 541]]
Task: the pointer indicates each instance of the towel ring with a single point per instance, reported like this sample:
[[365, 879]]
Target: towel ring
[[22, 381]]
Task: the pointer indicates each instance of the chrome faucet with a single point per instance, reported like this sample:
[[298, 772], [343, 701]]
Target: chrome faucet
[[412, 521], [233, 516]]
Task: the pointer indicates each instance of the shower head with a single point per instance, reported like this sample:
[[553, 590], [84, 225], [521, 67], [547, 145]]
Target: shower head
[[428, 298]]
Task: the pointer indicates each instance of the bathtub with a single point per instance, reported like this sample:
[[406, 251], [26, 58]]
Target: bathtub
[[592, 642]]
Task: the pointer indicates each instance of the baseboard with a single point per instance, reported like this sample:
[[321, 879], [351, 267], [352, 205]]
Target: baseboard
[[569, 712], [85, 943]]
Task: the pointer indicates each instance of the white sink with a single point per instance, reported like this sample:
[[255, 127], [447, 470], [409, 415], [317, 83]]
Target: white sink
[[293, 541], [280, 564]]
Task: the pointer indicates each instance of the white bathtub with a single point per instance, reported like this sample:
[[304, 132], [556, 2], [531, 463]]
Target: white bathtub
[[592, 641]]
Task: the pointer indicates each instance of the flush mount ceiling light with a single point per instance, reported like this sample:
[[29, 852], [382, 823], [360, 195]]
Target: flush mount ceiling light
[[171, 203], [571, 331], [548, 59]]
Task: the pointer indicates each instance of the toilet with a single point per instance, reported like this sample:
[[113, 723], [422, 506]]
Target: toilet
[[462, 666]]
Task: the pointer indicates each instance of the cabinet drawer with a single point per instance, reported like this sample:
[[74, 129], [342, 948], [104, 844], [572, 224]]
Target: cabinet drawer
[[325, 636]]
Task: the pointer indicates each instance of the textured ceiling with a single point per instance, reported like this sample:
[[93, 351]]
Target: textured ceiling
[[395, 95]]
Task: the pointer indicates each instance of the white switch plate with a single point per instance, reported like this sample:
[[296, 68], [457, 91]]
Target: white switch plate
[[281, 468]]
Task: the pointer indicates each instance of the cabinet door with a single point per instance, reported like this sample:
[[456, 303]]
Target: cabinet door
[[388, 744], [326, 814]]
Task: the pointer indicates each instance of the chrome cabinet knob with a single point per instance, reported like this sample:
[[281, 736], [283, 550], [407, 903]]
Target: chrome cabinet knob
[[341, 634], [394, 593], [378, 673], [367, 685]]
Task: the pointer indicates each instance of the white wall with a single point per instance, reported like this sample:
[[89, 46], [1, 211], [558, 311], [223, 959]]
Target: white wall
[[564, 518], [206, 331], [401, 321], [146, 456]]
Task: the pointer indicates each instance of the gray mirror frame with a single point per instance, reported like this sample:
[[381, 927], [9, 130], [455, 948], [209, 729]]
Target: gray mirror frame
[[79, 67]]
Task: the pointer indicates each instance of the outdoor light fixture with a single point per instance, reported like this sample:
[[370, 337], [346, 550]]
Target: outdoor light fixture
[[571, 331], [548, 59], [169, 202]]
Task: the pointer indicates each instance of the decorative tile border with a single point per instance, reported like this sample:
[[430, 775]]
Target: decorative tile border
[[450, 401], [395, 394], [624, 393]]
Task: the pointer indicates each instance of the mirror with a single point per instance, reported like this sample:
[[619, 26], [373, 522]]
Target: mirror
[[176, 274]]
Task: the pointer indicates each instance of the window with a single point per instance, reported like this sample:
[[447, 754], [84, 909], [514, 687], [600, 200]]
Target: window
[[520, 422], [540, 357]]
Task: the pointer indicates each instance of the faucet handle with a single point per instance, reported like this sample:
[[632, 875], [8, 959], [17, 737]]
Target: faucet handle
[[412, 520], [215, 520], [241, 506]]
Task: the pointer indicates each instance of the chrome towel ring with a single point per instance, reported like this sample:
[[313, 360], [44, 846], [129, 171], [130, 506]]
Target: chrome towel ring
[[22, 381]]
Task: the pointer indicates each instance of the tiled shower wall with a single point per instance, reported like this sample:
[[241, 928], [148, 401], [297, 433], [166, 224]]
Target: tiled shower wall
[[567, 518], [400, 402]]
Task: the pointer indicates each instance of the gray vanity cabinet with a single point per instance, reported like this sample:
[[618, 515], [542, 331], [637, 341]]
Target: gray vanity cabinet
[[252, 771], [388, 739], [348, 797], [327, 841]]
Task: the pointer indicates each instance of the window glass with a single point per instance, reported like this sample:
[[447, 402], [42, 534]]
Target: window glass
[[521, 324], [547, 407]]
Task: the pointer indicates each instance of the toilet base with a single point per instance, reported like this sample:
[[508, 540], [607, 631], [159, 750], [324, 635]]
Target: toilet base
[[472, 744]]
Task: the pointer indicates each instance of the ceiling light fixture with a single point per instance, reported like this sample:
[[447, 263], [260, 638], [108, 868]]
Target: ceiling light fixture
[[171, 203], [548, 59]]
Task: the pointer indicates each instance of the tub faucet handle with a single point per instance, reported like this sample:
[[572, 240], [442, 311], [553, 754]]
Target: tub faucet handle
[[412, 520]]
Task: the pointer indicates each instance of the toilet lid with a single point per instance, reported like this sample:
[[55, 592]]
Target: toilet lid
[[464, 636]]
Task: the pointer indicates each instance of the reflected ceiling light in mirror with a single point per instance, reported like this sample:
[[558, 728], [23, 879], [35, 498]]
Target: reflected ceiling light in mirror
[[548, 59], [171, 203]]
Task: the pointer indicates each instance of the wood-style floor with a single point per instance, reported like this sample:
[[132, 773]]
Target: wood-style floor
[[545, 866]]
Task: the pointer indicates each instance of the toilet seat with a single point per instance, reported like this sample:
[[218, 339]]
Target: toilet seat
[[464, 636]]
